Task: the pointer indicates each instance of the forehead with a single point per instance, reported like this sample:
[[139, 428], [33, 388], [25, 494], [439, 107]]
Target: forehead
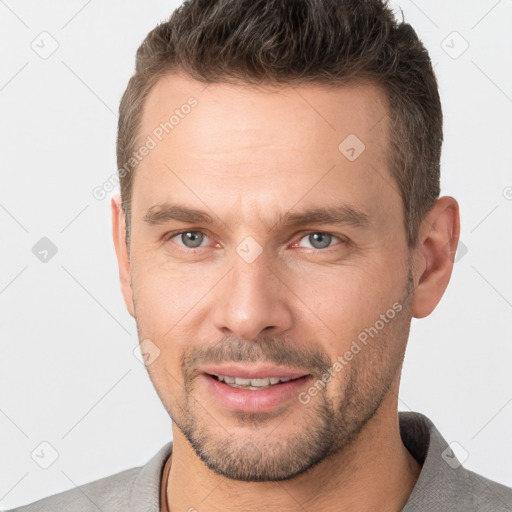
[[262, 113], [247, 142]]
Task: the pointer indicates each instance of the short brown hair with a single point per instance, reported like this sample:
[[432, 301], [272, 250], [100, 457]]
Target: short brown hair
[[325, 42]]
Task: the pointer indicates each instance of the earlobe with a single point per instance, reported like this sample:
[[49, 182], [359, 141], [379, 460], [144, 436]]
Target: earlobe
[[123, 260], [435, 254]]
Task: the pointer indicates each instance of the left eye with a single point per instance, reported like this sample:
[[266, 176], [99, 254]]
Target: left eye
[[190, 239], [318, 240]]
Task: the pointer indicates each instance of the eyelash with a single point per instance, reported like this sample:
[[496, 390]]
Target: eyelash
[[168, 236]]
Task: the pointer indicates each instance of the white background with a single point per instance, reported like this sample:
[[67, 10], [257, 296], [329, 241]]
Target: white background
[[68, 374]]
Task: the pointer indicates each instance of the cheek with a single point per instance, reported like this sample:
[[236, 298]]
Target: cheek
[[159, 307], [171, 302], [351, 298]]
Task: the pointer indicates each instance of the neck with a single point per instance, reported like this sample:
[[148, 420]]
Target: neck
[[375, 472]]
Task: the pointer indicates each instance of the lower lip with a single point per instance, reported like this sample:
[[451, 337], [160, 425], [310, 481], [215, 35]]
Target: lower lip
[[259, 400]]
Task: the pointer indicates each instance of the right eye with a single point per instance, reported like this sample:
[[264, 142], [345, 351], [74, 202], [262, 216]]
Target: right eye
[[188, 239]]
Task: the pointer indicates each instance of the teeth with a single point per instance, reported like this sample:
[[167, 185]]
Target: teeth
[[243, 382], [238, 382]]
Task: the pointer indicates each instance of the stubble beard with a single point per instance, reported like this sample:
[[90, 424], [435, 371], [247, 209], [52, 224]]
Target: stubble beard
[[327, 426]]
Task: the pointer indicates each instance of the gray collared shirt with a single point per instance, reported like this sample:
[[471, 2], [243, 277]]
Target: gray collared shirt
[[444, 485]]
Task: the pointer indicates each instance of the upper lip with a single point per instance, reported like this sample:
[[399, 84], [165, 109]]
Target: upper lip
[[254, 372]]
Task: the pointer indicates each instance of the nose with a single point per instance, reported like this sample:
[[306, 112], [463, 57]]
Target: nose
[[252, 298]]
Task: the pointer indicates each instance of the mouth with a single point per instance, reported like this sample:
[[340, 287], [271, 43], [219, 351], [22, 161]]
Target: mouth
[[260, 393], [255, 383]]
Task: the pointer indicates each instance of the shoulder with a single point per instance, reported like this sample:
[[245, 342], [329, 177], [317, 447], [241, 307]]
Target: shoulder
[[486, 495], [109, 494], [444, 483], [131, 490]]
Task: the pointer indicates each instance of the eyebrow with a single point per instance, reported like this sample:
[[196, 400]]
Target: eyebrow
[[161, 213], [342, 214]]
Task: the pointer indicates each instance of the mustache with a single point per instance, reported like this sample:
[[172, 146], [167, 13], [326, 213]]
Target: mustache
[[274, 350]]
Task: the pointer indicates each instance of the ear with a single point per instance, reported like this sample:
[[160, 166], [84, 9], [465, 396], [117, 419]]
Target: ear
[[434, 255], [123, 260]]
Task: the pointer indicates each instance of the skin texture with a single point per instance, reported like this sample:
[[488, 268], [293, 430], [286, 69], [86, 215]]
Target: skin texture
[[246, 156]]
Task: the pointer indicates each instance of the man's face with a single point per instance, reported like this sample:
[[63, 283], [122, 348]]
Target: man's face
[[260, 286]]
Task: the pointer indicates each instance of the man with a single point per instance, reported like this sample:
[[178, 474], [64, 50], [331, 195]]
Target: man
[[279, 225]]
